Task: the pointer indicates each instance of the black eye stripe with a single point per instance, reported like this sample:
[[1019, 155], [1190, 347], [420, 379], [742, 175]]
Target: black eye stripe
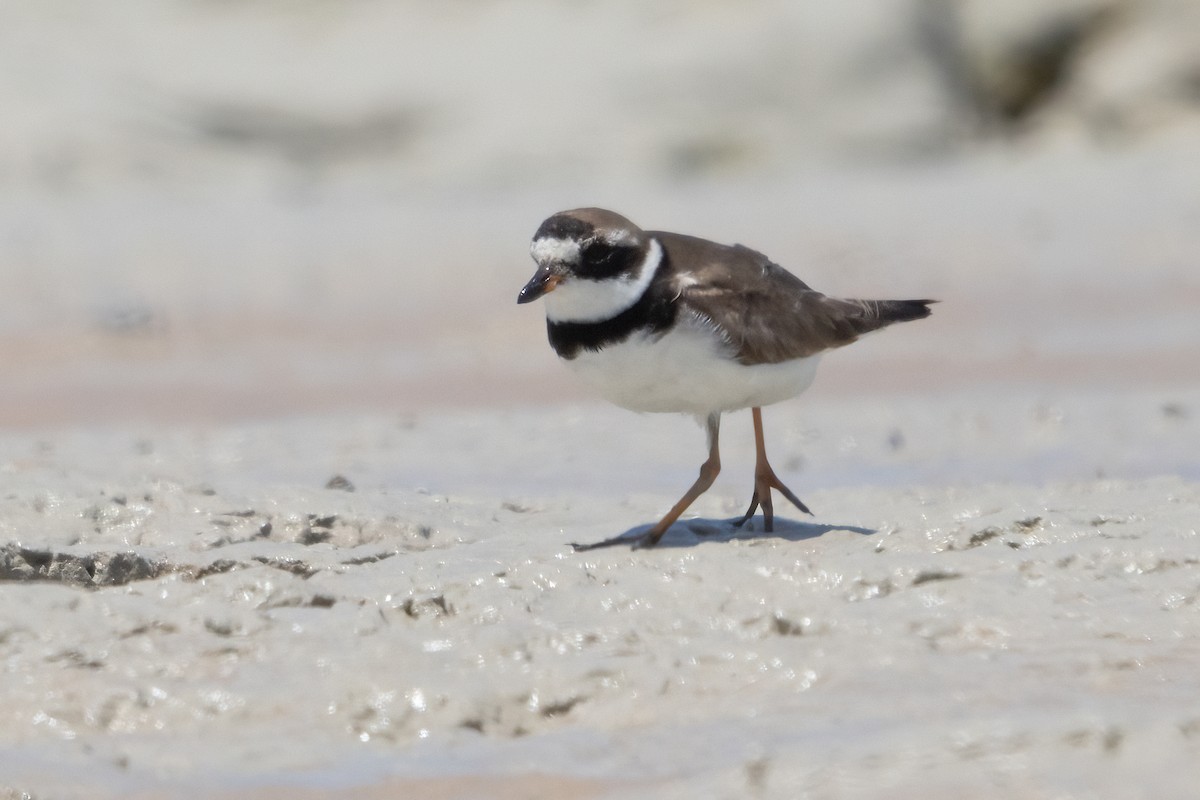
[[599, 259], [598, 252]]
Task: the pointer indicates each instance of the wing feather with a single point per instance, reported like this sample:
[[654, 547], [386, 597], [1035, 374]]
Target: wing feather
[[767, 314]]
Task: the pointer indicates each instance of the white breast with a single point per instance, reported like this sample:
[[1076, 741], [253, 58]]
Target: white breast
[[688, 370]]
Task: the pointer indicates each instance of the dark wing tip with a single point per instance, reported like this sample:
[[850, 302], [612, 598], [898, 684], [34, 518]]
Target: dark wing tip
[[890, 311]]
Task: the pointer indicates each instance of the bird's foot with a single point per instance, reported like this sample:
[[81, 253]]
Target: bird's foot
[[765, 480], [583, 548], [648, 539]]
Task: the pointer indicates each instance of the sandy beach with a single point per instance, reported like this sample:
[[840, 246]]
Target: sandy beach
[[996, 640], [290, 481], [216, 611]]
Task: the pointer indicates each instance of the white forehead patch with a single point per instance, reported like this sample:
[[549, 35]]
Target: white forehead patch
[[586, 300], [549, 251]]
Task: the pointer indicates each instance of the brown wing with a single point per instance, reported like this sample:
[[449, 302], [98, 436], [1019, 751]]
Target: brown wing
[[768, 314]]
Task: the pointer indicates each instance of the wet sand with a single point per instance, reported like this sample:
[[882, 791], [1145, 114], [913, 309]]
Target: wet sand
[[214, 609]]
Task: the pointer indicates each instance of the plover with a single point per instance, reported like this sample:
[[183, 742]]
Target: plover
[[665, 322]]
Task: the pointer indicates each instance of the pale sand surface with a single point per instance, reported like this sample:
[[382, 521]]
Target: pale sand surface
[[202, 615]]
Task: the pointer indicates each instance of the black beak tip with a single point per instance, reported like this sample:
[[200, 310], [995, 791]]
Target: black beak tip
[[538, 285]]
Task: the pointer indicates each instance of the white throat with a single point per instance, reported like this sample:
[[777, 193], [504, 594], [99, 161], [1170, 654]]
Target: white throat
[[585, 300]]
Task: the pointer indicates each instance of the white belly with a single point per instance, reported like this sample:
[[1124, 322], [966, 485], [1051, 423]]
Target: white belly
[[687, 371]]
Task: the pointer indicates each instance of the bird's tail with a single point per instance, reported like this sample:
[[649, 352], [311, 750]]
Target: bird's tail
[[850, 319], [889, 311]]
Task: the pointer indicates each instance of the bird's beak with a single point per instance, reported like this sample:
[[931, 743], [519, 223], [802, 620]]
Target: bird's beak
[[542, 282]]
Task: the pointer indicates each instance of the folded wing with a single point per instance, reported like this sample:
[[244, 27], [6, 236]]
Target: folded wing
[[769, 315]]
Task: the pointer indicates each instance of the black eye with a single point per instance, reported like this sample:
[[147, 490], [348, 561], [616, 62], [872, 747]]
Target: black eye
[[599, 254]]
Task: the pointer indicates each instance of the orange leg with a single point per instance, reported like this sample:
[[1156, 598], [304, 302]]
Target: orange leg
[[765, 480], [708, 474]]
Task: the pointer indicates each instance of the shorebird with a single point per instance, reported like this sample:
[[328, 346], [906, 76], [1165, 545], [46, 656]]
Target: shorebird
[[664, 322]]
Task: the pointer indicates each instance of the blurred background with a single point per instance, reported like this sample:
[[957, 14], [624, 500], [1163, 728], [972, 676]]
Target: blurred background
[[226, 209]]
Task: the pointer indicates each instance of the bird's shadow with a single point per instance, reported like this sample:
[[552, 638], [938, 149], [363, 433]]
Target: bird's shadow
[[695, 532]]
